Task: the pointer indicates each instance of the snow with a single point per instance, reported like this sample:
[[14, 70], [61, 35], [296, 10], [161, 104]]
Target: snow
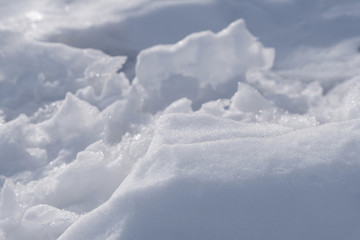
[[171, 194], [168, 72], [196, 119]]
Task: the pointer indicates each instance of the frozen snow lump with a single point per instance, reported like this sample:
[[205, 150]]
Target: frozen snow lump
[[33, 74], [201, 67]]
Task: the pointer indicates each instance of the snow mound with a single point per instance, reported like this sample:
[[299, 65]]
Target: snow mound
[[244, 180], [209, 137]]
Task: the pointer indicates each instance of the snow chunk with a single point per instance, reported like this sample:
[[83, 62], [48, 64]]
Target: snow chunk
[[200, 61], [21, 146], [341, 103], [104, 84], [34, 74], [248, 99], [8, 202], [63, 125]]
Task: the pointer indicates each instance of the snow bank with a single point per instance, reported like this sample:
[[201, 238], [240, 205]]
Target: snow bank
[[244, 180]]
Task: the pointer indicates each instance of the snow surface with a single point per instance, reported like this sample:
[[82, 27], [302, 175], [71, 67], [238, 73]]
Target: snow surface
[[192, 119]]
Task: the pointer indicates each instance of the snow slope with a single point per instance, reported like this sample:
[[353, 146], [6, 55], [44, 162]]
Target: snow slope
[[208, 119]]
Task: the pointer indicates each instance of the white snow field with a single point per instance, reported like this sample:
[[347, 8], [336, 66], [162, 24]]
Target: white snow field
[[180, 119]]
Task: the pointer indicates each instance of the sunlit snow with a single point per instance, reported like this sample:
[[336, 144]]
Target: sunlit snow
[[170, 119]]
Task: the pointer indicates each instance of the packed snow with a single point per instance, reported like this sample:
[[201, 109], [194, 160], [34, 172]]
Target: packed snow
[[193, 119]]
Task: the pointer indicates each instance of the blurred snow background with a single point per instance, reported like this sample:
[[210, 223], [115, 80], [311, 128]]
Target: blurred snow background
[[193, 119]]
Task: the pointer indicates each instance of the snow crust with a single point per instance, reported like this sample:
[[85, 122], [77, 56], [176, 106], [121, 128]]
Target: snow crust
[[197, 131]]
